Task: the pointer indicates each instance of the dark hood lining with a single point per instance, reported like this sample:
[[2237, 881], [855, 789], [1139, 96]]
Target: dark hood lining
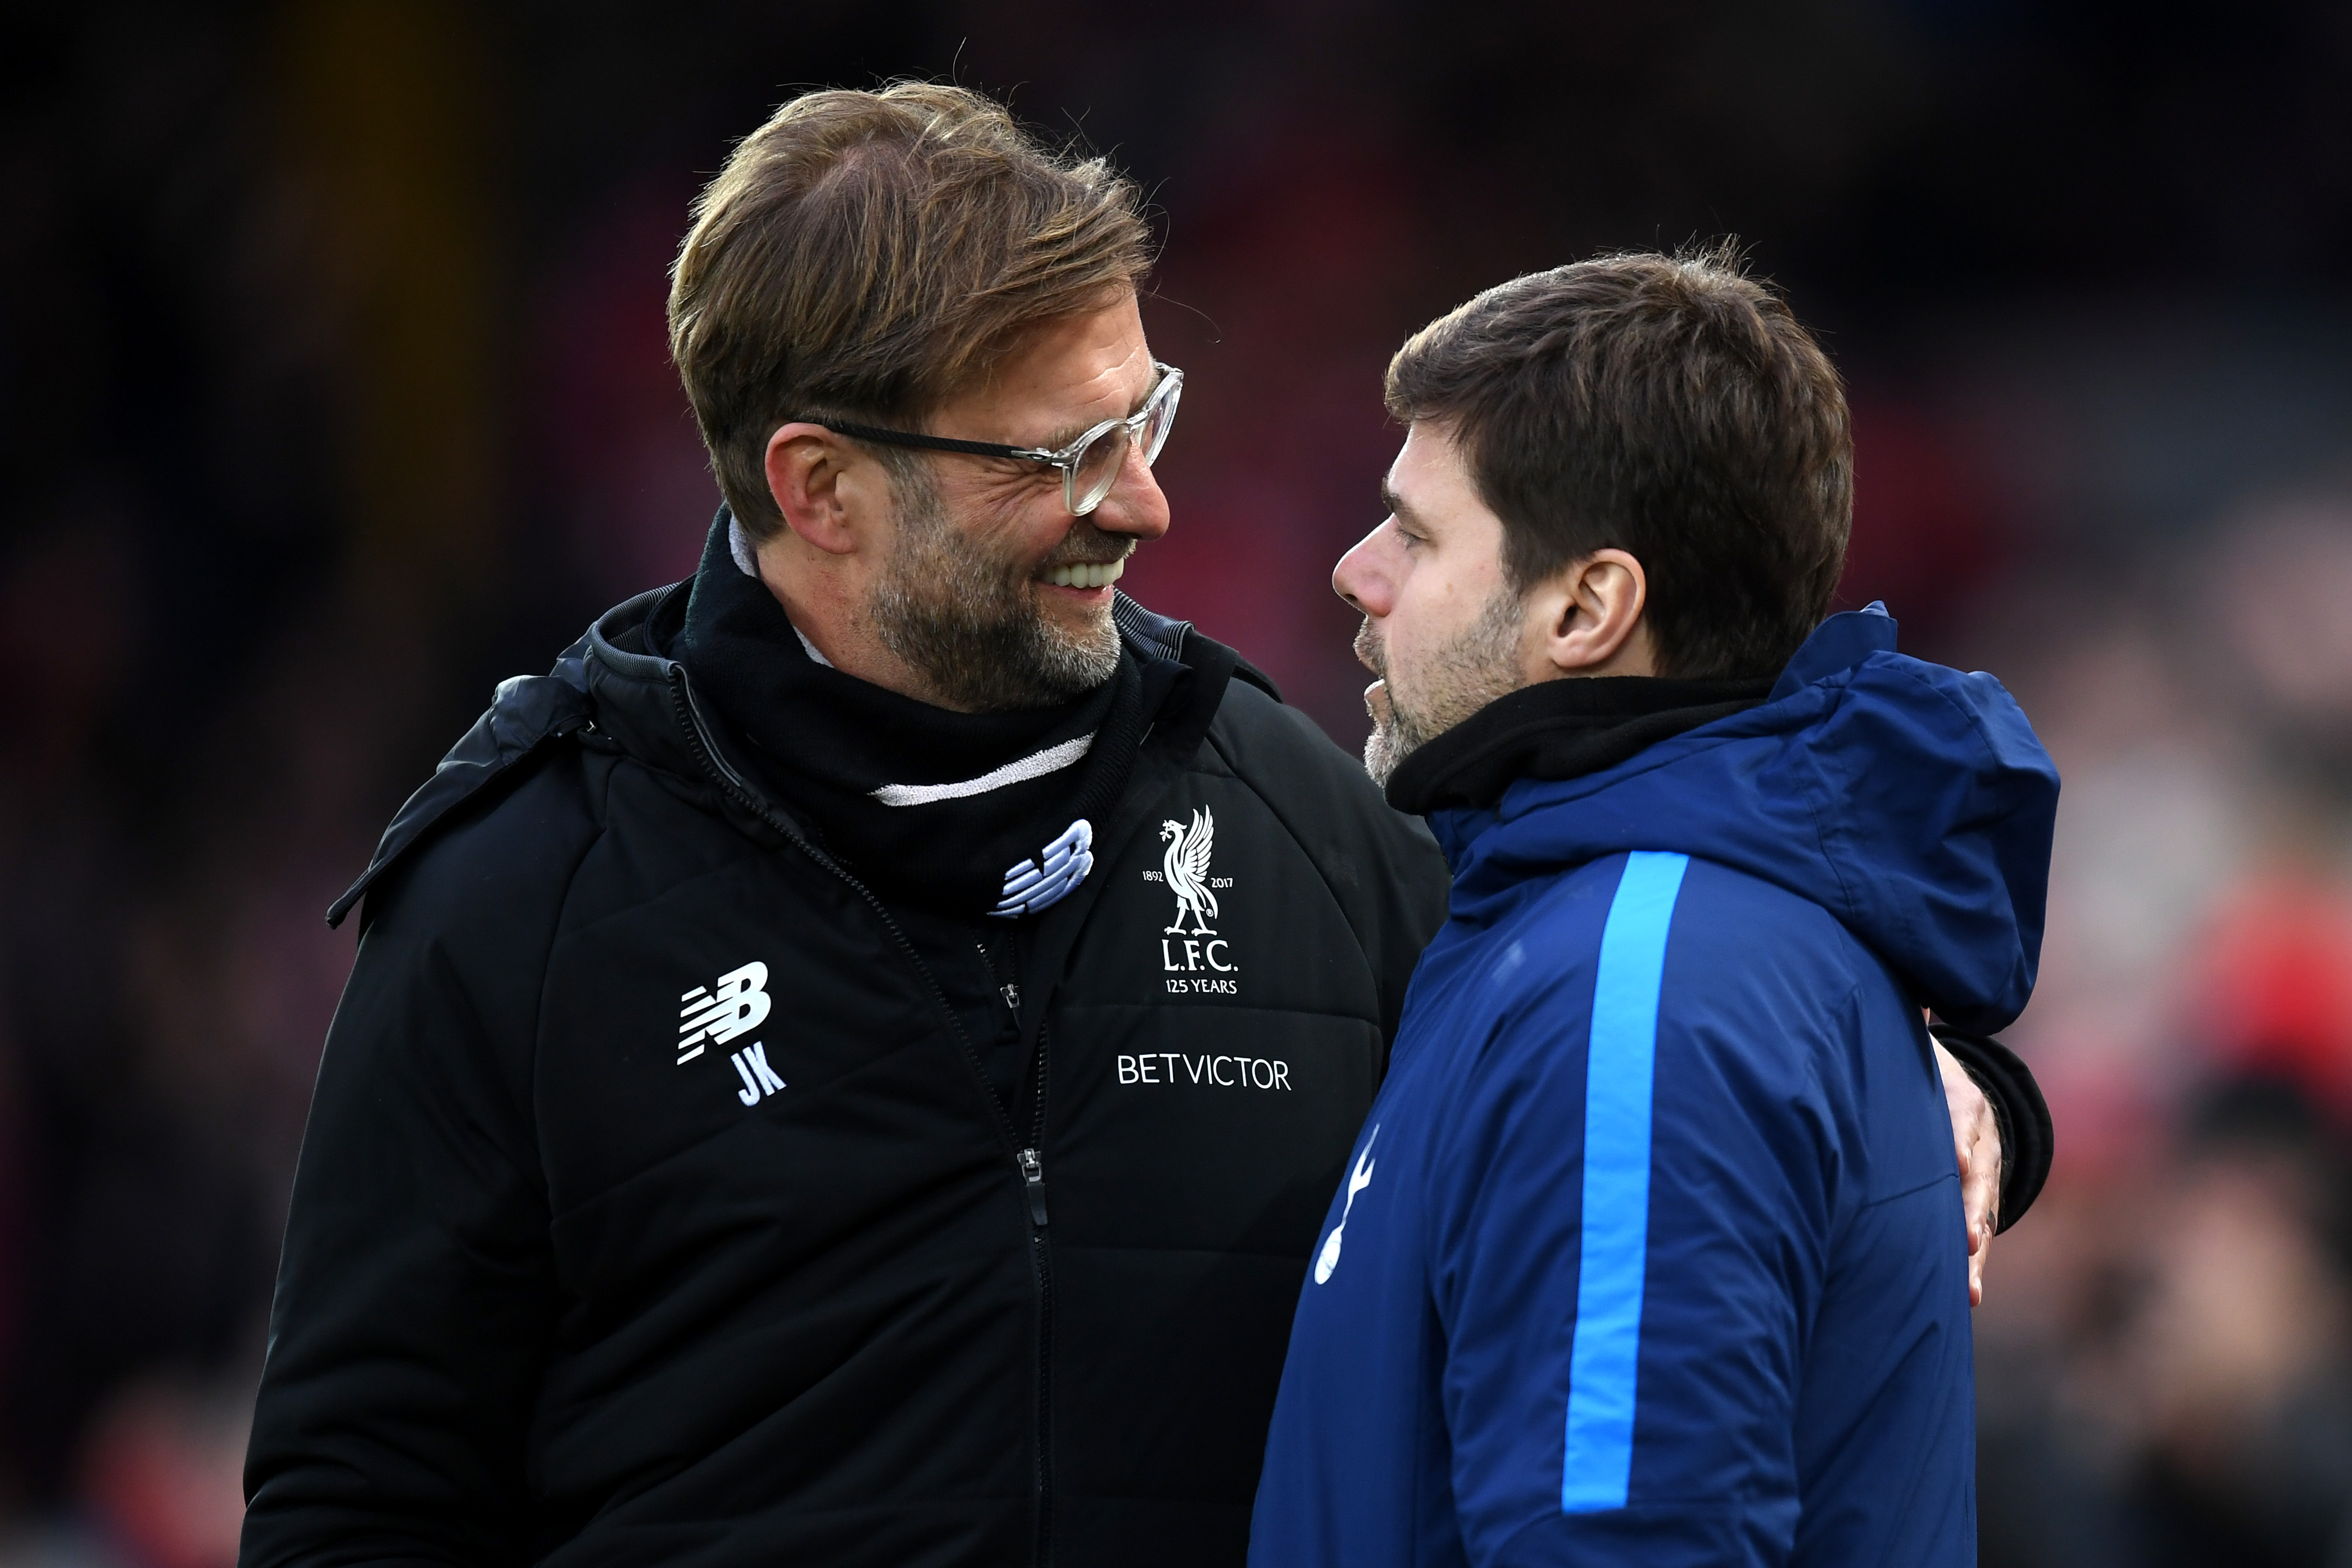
[[1561, 729]]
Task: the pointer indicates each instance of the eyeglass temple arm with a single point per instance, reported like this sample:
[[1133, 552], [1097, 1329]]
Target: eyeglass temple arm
[[930, 443]]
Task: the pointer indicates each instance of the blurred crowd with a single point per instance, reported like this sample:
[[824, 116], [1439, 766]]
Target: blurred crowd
[[332, 388], [2164, 1359]]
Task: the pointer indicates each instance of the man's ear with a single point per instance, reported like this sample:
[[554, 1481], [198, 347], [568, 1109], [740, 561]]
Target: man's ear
[[1589, 619], [806, 464]]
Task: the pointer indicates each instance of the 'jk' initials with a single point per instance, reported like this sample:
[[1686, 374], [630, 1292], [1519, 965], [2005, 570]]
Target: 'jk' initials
[[758, 1078]]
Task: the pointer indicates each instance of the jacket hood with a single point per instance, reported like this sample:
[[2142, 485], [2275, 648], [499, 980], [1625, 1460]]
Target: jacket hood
[[1911, 801]]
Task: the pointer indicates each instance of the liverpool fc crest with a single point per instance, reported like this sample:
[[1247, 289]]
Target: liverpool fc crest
[[1186, 864]]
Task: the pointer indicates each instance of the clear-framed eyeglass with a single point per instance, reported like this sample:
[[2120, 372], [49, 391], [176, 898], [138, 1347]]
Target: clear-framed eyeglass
[[1090, 465]]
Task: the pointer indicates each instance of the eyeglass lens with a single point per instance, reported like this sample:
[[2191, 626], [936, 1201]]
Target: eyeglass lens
[[1161, 417], [1097, 470], [1097, 467]]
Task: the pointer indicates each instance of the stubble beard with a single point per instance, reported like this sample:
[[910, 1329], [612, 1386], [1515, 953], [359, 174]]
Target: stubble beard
[[1459, 677], [968, 621]]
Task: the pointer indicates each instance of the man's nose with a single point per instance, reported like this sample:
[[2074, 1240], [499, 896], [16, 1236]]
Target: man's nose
[[1361, 576], [1136, 505]]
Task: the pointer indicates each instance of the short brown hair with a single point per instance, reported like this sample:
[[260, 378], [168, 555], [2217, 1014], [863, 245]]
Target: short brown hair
[[1667, 406], [864, 254]]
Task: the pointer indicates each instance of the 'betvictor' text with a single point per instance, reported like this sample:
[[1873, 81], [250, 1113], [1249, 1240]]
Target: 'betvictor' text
[[1225, 1073]]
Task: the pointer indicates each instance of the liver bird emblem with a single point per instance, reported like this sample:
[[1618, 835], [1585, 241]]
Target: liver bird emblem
[[1186, 864]]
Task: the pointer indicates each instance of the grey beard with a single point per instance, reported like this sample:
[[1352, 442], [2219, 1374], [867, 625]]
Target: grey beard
[[1390, 744], [968, 622], [1479, 664]]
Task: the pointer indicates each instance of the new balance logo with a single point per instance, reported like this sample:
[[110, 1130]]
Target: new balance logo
[[1034, 884], [736, 1006]]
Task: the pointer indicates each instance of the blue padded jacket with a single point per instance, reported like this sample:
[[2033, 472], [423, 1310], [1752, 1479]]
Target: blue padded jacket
[[1650, 1249]]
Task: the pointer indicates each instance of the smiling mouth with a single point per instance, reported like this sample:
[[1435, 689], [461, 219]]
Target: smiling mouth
[[1084, 573]]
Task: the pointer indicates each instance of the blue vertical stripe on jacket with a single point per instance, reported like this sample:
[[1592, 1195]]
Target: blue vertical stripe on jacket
[[1618, 1080]]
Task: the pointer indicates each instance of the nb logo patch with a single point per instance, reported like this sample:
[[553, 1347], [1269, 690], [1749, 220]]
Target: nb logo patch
[[736, 1004], [1033, 885]]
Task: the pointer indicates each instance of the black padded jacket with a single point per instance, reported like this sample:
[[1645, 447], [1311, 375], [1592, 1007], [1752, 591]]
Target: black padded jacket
[[561, 1283]]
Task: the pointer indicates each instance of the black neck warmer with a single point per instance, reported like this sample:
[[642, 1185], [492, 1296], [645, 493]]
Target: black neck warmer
[[925, 804], [1559, 730]]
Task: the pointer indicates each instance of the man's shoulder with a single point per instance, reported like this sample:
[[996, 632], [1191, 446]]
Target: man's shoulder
[[1717, 921], [1322, 795], [1717, 894], [1285, 755], [1749, 939], [503, 853], [1253, 721], [1720, 952], [1758, 1008], [1540, 954]]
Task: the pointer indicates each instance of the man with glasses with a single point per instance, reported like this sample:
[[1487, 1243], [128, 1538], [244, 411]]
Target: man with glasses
[[848, 1069]]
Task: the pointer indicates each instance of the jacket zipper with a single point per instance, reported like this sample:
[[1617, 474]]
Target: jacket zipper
[[1029, 1160], [1033, 1180], [1033, 1174], [1010, 990]]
